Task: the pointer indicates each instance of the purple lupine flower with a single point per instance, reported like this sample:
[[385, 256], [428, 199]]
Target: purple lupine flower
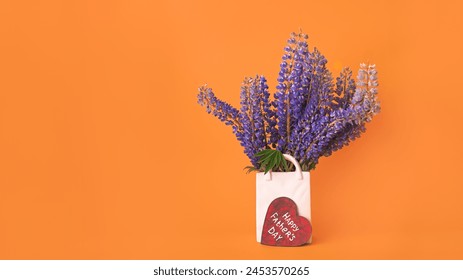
[[268, 113], [254, 124], [222, 110], [347, 124], [257, 118], [310, 116], [282, 102], [345, 88], [316, 65], [319, 86], [298, 92], [339, 120], [366, 91], [247, 120]]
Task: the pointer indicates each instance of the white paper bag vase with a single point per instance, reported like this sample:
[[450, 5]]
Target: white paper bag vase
[[273, 185]]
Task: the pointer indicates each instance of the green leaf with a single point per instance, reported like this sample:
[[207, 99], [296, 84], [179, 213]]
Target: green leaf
[[312, 166], [250, 169], [269, 159], [262, 159], [285, 165], [271, 164], [279, 158], [266, 161], [263, 153]]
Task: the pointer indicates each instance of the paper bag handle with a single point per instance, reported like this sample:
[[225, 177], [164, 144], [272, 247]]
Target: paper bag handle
[[291, 159]]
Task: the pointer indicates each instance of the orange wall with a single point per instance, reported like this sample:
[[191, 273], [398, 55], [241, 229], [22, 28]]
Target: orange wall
[[104, 152]]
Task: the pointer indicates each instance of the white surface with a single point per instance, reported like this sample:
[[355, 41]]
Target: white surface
[[143, 269]]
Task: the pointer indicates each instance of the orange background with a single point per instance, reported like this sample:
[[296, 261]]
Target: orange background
[[104, 153]]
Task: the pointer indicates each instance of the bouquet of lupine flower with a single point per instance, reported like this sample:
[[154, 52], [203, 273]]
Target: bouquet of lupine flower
[[311, 115]]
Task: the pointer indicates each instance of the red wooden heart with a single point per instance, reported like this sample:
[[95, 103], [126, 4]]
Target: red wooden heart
[[283, 227]]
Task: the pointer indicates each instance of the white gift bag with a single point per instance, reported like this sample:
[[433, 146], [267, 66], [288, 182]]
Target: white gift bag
[[294, 185]]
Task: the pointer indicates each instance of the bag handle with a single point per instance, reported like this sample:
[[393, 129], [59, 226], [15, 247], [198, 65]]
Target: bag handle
[[268, 176]]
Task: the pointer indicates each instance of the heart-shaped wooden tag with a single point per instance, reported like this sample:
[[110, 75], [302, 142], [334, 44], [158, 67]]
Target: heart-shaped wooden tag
[[282, 225]]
